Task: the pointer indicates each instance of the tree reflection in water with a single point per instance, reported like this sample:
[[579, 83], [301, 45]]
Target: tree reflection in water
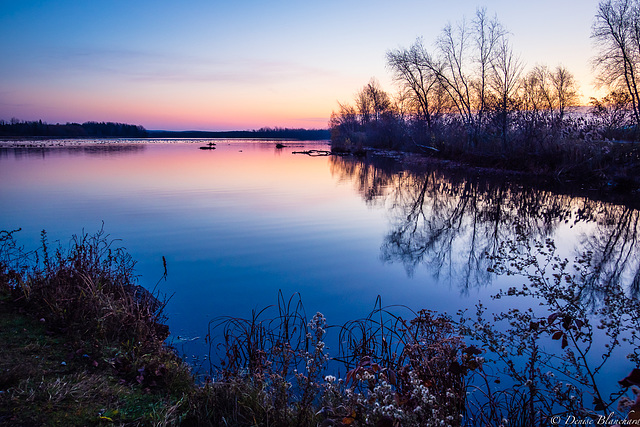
[[543, 359], [614, 251], [453, 223]]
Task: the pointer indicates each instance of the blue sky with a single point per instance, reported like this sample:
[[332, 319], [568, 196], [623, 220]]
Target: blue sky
[[215, 65]]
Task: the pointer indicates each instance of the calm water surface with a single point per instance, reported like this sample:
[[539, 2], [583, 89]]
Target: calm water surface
[[241, 222]]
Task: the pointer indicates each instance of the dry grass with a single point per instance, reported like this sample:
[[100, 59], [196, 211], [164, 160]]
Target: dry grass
[[82, 343], [68, 360]]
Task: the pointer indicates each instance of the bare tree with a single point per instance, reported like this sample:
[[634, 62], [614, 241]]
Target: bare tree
[[506, 69], [454, 74], [402, 103], [550, 92], [533, 97], [372, 101], [417, 74], [492, 46], [343, 124], [565, 90], [544, 91], [380, 101], [616, 31], [468, 54], [363, 105], [613, 110], [472, 64]]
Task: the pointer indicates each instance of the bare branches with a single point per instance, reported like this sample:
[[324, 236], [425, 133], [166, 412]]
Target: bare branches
[[418, 74], [616, 32]]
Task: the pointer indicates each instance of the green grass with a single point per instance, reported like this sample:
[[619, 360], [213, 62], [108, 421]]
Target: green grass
[[48, 378]]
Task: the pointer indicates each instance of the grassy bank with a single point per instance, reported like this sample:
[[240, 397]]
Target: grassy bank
[[83, 344], [51, 378]]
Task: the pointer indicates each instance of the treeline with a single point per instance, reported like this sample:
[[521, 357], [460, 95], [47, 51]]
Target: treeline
[[265, 132], [470, 95], [18, 128], [39, 128]]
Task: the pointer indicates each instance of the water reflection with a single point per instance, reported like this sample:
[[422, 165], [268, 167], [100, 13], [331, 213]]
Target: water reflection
[[246, 220], [614, 254], [44, 150], [452, 224]]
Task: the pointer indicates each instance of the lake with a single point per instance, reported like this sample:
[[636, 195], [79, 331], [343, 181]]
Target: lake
[[247, 220]]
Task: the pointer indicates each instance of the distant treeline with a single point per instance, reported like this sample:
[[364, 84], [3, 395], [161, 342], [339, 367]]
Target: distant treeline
[[18, 128], [276, 133], [71, 130]]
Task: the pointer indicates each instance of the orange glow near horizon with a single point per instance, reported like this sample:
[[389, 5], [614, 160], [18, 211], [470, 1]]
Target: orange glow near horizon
[[187, 111], [182, 111]]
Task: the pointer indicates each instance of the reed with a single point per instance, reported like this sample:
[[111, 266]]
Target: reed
[[92, 337], [280, 367]]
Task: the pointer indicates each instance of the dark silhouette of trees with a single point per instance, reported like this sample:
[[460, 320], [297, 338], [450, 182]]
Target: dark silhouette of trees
[[565, 90], [373, 120], [470, 97], [550, 92], [19, 128], [504, 82], [372, 102], [616, 31], [71, 130], [419, 81], [467, 95], [345, 126], [109, 129], [262, 133], [464, 62], [284, 133]]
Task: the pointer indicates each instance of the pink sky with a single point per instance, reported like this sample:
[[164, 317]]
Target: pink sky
[[241, 65]]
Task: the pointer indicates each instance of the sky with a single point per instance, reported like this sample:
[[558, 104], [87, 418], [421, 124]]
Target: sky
[[242, 64]]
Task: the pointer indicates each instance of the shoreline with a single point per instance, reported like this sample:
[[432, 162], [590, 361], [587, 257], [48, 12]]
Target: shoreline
[[605, 188]]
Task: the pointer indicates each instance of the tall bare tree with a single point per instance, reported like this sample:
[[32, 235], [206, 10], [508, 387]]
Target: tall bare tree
[[363, 105], [492, 48], [468, 54], [468, 60], [453, 46], [565, 90], [506, 69], [372, 101], [380, 101], [415, 78], [549, 92], [343, 124], [543, 88], [417, 74], [616, 31]]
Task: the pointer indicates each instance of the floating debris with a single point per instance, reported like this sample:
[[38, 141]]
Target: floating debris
[[314, 152]]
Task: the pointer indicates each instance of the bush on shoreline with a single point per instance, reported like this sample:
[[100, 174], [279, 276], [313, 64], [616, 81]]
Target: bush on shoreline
[[575, 150]]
